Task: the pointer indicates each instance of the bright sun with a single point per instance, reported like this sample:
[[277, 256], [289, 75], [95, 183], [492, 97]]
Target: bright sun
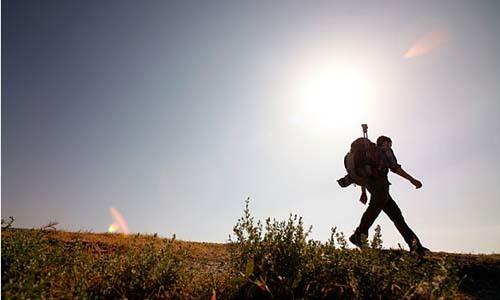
[[333, 97]]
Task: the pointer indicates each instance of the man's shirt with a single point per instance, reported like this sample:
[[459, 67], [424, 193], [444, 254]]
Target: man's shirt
[[386, 160]]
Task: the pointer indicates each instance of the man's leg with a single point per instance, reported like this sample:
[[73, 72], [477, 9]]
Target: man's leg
[[394, 213], [379, 196]]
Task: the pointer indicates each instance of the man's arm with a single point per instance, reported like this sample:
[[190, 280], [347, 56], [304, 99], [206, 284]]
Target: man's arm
[[408, 177], [396, 168]]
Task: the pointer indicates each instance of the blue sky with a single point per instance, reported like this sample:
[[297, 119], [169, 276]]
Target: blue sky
[[175, 112]]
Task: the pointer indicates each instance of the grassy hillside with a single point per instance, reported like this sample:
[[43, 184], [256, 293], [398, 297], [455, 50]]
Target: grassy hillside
[[266, 261]]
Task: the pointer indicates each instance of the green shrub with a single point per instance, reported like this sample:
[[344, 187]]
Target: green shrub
[[279, 261]]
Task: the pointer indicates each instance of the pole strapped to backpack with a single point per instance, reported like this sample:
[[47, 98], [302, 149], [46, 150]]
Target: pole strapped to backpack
[[365, 136]]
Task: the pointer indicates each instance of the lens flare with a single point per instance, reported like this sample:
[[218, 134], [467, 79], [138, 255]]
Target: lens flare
[[113, 228], [119, 223], [427, 43]]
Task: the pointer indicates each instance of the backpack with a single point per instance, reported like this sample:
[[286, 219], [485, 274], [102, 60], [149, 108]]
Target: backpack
[[361, 161]]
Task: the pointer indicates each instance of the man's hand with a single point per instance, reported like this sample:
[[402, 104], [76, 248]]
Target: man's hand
[[416, 183], [363, 197]]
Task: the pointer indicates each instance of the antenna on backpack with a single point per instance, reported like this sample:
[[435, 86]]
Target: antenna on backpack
[[365, 136], [365, 130]]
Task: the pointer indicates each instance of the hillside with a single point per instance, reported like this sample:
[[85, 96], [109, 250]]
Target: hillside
[[200, 269]]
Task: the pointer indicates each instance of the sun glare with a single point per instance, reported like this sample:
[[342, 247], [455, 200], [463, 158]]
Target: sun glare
[[119, 224], [335, 97]]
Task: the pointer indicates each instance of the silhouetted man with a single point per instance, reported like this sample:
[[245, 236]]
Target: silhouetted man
[[382, 200]]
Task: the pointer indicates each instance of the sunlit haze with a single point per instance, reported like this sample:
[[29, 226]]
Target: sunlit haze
[[334, 97], [164, 116]]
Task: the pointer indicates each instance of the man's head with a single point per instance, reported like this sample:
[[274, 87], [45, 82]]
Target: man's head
[[384, 141]]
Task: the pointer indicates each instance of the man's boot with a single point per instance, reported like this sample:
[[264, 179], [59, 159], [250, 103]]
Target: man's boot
[[359, 240], [417, 248]]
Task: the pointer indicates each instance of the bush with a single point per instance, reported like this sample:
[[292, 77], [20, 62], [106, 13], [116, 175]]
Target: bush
[[35, 265], [281, 262]]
